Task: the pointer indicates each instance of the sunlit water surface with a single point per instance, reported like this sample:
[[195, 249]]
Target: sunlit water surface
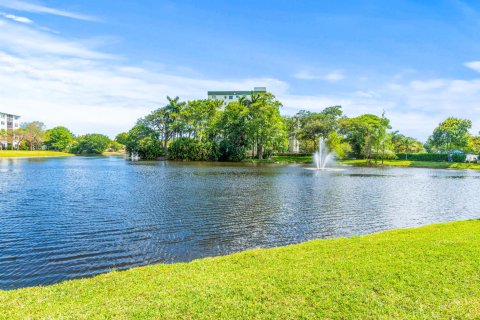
[[73, 217]]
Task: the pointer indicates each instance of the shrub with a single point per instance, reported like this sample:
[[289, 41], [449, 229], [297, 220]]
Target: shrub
[[191, 149], [386, 155], [436, 157], [143, 141], [93, 143], [459, 157]]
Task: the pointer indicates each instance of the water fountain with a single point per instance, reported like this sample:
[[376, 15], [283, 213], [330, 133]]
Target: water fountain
[[322, 157]]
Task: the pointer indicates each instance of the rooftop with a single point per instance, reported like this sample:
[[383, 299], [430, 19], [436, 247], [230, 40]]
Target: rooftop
[[9, 114], [233, 93]]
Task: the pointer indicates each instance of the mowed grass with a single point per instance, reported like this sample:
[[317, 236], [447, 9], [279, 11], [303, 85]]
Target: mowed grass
[[425, 273], [417, 164], [31, 154], [363, 163]]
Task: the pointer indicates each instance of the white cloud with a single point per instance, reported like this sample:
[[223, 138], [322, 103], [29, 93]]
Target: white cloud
[[428, 84], [333, 76], [60, 82], [71, 82], [23, 39], [36, 8], [305, 75], [474, 65], [17, 18]]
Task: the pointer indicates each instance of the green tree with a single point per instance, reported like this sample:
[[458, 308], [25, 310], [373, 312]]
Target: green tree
[[316, 125], [365, 133], [198, 117], [33, 134], [143, 140], [167, 121], [451, 134], [59, 138], [473, 145], [122, 138], [93, 143], [266, 127], [232, 129]]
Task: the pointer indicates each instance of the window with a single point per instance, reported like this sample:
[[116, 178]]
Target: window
[[230, 97], [225, 97], [214, 97], [3, 123]]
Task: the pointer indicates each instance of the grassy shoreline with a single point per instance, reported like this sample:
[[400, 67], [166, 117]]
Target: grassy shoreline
[[414, 164], [427, 272], [363, 163], [32, 154]]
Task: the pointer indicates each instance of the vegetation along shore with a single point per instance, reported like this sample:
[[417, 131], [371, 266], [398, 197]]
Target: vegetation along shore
[[427, 272], [254, 129], [307, 159]]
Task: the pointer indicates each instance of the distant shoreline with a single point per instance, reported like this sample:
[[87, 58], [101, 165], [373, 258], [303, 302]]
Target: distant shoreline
[[33, 154], [363, 163], [292, 159]]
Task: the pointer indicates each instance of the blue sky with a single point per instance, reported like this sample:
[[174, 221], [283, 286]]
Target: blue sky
[[97, 66]]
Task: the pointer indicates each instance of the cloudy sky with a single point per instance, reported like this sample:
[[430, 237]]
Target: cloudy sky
[[97, 66]]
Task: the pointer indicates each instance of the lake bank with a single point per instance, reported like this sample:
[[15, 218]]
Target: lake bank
[[427, 272], [363, 162], [33, 154], [413, 164]]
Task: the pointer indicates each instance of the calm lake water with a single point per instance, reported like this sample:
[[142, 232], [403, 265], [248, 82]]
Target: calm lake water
[[73, 217]]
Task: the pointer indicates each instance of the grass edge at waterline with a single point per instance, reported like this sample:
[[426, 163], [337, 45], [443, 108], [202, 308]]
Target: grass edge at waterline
[[426, 272], [32, 154], [413, 164], [363, 162]]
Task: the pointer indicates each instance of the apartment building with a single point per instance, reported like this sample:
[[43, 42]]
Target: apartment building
[[233, 96], [8, 122]]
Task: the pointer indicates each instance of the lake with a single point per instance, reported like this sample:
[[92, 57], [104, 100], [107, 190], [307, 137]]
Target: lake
[[73, 217]]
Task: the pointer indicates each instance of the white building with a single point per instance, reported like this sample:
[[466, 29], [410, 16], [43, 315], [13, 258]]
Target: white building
[[8, 122], [233, 96]]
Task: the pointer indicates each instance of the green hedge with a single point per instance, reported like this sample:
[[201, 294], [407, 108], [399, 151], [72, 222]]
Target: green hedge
[[436, 157], [192, 150]]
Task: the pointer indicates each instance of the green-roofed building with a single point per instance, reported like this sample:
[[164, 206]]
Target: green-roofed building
[[233, 96]]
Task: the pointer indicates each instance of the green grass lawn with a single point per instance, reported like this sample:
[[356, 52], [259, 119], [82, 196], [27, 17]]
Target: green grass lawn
[[395, 163], [419, 164], [425, 273], [32, 154]]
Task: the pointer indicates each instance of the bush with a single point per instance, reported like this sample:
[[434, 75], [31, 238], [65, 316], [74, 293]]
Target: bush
[[191, 149], [386, 155], [436, 157], [143, 141], [91, 144], [459, 157], [148, 148]]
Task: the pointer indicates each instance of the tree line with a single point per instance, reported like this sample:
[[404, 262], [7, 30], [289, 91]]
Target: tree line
[[34, 136], [249, 128], [202, 130], [253, 127]]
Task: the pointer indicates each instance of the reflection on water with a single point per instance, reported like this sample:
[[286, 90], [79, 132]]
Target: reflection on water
[[73, 217]]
